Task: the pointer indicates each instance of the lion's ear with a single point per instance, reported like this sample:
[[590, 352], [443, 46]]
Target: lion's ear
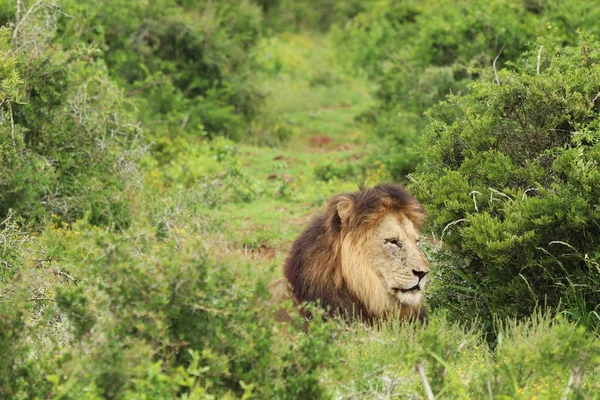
[[345, 207]]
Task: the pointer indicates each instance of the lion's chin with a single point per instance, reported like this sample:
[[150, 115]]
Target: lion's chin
[[411, 298]]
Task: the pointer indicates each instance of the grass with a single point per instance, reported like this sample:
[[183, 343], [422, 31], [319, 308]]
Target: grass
[[309, 92]]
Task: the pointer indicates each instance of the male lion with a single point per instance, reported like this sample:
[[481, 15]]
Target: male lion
[[361, 258]]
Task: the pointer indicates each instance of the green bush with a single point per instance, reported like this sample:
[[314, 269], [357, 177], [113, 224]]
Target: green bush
[[315, 15], [511, 182], [420, 52], [189, 63], [334, 170], [542, 357], [148, 317], [67, 146]]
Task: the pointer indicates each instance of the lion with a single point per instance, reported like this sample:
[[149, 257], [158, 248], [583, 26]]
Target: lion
[[361, 259]]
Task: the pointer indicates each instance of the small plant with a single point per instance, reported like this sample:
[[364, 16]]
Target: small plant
[[334, 170]]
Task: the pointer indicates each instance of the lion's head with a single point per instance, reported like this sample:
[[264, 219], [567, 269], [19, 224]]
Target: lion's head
[[362, 256]]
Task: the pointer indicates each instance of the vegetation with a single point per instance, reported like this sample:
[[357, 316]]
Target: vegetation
[[420, 51], [159, 157], [511, 177]]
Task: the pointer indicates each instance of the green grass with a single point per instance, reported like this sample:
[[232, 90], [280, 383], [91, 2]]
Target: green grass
[[314, 108]]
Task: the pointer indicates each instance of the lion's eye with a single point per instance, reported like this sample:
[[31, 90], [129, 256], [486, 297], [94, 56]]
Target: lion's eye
[[395, 242]]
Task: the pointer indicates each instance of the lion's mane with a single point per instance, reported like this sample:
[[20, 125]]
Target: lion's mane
[[314, 267]]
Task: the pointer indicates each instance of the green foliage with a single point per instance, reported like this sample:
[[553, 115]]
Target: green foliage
[[212, 168], [539, 358], [317, 15], [148, 314], [9, 78], [17, 371], [142, 275], [418, 52], [13, 245], [66, 145], [189, 63], [334, 170], [511, 180], [526, 352], [74, 303]]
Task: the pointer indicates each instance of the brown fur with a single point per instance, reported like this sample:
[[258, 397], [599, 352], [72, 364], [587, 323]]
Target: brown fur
[[313, 268]]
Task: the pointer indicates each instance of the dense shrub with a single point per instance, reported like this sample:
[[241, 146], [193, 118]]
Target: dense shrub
[[152, 317], [542, 357], [67, 145], [189, 63], [334, 170], [511, 181], [420, 52], [316, 15]]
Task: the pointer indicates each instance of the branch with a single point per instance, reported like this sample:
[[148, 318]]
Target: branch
[[208, 309], [19, 21], [452, 224], [12, 125], [574, 381], [489, 387], [63, 273], [19, 8], [426, 384], [39, 299], [539, 58], [494, 64], [565, 395]]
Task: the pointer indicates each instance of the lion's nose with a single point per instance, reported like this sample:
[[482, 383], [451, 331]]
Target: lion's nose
[[419, 274]]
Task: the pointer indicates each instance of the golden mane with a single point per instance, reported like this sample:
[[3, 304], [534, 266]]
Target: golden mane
[[329, 262]]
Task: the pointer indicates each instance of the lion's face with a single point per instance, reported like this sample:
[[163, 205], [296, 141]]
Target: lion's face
[[362, 256], [397, 259]]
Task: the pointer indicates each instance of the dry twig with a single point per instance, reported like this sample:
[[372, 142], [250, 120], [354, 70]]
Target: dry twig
[[20, 20], [12, 125], [539, 59], [426, 384], [494, 64]]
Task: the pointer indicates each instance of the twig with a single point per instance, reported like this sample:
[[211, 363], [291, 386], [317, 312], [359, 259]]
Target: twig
[[18, 11], [565, 395], [494, 64], [492, 191], [452, 224], [184, 121], [473, 193], [12, 126], [19, 21], [527, 191], [426, 384], [211, 310], [539, 59], [62, 273], [39, 299], [564, 244]]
